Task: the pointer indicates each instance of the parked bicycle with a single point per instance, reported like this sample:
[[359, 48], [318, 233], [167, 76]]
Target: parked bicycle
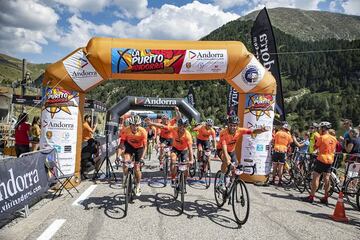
[[234, 191]]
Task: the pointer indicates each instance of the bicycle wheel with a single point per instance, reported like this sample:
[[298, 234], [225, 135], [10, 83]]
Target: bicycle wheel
[[358, 199], [192, 170], [207, 175], [182, 191], [176, 188], [299, 182], [220, 195], [240, 202], [352, 188], [127, 191], [166, 170], [149, 151]]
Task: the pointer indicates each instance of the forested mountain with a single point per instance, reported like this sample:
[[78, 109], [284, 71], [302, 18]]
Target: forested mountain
[[321, 81]]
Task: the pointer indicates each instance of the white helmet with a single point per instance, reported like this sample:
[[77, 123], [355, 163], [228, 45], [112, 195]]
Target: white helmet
[[326, 125], [209, 122], [135, 120]]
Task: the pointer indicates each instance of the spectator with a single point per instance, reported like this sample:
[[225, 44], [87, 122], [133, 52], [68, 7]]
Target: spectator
[[303, 147], [88, 129], [314, 134], [22, 130], [35, 134], [282, 141], [353, 147], [347, 124], [326, 145]]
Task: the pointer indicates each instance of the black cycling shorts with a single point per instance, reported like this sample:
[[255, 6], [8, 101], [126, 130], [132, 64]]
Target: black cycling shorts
[[182, 156], [137, 152], [166, 141], [320, 167], [232, 155], [279, 157], [204, 143], [151, 136]]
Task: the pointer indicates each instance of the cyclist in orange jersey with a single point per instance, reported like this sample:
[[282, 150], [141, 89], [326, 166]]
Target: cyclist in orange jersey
[[166, 134], [133, 142], [228, 138], [326, 145], [205, 131], [282, 141], [181, 144]]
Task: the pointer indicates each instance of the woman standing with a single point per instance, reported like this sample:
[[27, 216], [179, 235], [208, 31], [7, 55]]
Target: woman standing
[[35, 134], [22, 130]]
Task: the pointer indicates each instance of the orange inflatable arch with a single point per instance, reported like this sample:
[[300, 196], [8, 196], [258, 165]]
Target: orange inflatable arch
[[103, 59]]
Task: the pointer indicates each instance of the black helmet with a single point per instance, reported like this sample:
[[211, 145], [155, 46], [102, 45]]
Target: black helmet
[[233, 119], [326, 125], [183, 122]]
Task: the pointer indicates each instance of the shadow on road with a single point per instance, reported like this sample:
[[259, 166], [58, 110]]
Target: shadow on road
[[112, 205], [353, 222]]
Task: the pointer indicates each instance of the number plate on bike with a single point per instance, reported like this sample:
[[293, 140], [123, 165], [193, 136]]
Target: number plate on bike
[[129, 164], [167, 150], [238, 172], [207, 153], [182, 167]]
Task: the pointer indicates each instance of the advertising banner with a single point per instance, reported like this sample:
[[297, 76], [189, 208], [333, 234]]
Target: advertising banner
[[81, 71], [126, 60], [264, 45], [232, 102], [259, 111], [59, 123], [26, 100], [191, 97], [21, 181]]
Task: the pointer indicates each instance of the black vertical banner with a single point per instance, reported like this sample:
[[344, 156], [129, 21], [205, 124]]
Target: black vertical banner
[[191, 96], [232, 101], [263, 42]]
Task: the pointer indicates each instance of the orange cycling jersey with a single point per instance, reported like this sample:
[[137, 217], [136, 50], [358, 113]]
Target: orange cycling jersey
[[282, 140], [136, 140], [204, 134], [230, 139], [182, 142], [165, 132], [326, 144]]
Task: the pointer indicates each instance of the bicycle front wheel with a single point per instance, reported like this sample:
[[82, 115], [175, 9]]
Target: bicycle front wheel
[[240, 202], [127, 192], [166, 170], [358, 199], [352, 188], [182, 191], [207, 175], [193, 168], [219, 192]]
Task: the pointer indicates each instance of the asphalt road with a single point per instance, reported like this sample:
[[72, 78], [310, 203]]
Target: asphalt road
[[276, 213]]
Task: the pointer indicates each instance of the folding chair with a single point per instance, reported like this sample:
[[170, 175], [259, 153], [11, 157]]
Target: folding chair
[[59, 177]]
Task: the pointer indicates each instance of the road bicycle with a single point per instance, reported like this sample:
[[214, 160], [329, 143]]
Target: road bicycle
[[180, 183], [166, 163], [204, 171], [233, 189]]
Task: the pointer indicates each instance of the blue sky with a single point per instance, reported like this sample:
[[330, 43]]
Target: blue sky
[[47, 30]]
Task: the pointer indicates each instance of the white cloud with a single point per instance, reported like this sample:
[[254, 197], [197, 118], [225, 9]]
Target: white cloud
[[226, 4], [189, 22], [77, 6], [129, 9], [351, 7], [81, 31], [25, 25]]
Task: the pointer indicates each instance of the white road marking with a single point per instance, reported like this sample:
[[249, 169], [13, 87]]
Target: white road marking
[[84, 195], [52, 229]]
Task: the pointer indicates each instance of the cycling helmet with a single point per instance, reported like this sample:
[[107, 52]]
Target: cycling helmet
[[326, 125], [233, 119], [164, 116], [135, 120], [286, 126], [183, 122], [209, 122]]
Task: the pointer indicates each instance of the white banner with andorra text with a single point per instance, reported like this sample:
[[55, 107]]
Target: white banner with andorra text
[[59, 123], [255, 149]]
